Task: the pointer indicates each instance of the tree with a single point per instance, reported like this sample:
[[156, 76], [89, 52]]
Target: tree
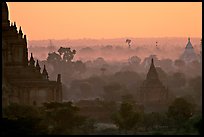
[[99, 61], [180, 111], [87, 50], [127, 77], [15, 111], [166, 64], [23, 119], [79, 66], [128, 98], [86, 89], [196, 85], [178, 80], [107, 48], [67, 54], [193, 125], [155, 120], [179, 63], [194, 68], [198, 126], [112, 92], [53, 57], [127, 117], [51, 118], [63, 117], [134, 60]]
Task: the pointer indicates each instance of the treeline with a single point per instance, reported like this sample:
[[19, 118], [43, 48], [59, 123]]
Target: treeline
[[92, 79], [129, 117]]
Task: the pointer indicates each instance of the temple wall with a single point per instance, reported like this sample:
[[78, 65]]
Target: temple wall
[[15, 63], [38, 96]]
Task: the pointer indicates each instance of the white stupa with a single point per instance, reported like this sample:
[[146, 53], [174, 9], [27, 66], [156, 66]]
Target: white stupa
[[189, 54]]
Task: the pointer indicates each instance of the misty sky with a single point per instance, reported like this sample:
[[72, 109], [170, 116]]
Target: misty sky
[[75, 20]]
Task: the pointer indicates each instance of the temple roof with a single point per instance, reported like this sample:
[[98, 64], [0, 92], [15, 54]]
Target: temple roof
[[189, 53], [152, 73], [4, 12], [189, 45]]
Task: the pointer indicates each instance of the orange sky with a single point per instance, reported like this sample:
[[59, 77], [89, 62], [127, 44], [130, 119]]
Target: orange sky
[[73, 20]]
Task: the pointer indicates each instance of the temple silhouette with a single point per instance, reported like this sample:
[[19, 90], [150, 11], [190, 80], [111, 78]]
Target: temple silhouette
[[152, 93], [23, 82], [189, 54]]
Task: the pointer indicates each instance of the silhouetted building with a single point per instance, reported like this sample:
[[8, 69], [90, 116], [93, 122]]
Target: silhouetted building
[[189, 54], [152, 93], [23, 81]]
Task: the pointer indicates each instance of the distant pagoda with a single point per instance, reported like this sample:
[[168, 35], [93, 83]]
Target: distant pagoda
[[189, 54]]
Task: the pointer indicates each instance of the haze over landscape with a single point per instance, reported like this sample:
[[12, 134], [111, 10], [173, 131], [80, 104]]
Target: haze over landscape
[[123, 68], [171, 47]]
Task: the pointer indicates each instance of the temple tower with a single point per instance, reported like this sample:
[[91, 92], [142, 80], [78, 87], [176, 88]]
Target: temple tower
[[23, 83], [152, 92], [15, 51], [189, 54]]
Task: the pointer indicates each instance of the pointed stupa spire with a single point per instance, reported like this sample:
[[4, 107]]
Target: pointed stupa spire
[[38, 66], [25, 39], [20, 31], [5, 15], [189, 45], [152, 73], [44, 73], [32, 61], [189, 54], [15, 25]]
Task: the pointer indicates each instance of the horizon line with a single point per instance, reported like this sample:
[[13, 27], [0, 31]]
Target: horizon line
[[86, 38]]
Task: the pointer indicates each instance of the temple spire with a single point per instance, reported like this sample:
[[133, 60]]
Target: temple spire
[[152, 73], [38, 66], [32, 61], [20, 31], [25, 39], [44, 73], [15, 26], [189, 45], [5, 15]]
